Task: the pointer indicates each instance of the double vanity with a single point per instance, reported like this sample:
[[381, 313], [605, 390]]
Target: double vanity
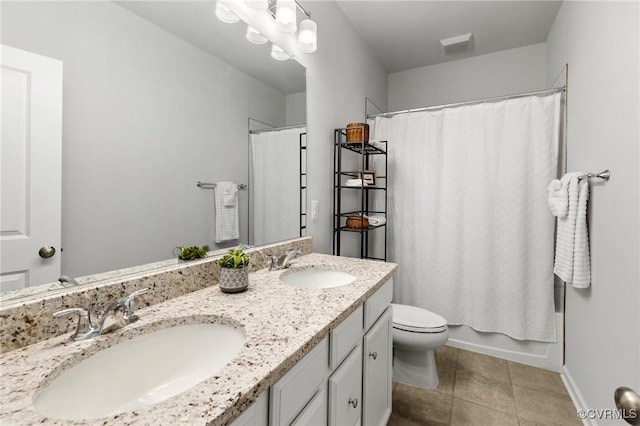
[[306, 345]]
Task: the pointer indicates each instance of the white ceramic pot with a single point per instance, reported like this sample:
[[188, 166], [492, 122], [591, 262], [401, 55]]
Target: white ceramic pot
[[234, 280]]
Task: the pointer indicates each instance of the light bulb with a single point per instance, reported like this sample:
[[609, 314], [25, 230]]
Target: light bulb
[[286, 16], [225, 14], [308, 36], [258, 4], [254, 36], [278, 54]]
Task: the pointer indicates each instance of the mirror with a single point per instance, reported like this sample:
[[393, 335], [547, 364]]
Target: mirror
[[157, 95], [277, 204]]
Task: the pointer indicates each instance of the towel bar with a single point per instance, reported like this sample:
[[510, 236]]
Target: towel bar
[[205, 185], [605, 175]]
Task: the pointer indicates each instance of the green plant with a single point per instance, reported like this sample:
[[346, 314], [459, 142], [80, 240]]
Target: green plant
[[192, 252], [235, 259]]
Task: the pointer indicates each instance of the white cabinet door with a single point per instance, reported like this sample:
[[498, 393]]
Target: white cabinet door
[[291, 394], [377, 374], [257, 414], [315, 413], [345, 391], [30, 200]]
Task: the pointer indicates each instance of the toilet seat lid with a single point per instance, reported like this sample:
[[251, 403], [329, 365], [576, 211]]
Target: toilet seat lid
[[412, 318]]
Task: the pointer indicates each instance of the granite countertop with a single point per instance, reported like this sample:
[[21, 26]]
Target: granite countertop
[[281, 324]]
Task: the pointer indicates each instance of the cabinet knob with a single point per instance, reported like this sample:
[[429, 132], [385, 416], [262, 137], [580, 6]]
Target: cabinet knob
[[353, 402], [373, 355]]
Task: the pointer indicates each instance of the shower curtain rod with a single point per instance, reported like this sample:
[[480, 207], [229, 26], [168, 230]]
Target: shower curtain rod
[[477, 101], [255, 132]]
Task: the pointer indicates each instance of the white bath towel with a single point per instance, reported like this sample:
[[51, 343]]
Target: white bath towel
[[572, 263], [558, 197], [226, 203]]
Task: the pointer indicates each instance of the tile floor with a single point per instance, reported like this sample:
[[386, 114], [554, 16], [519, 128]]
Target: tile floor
[[478, 389]]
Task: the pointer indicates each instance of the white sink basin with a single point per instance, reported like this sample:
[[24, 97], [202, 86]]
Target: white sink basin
[[139, 372], [316, 278]]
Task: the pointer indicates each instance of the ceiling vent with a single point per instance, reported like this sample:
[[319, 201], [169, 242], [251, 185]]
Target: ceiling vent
[[457, 44]]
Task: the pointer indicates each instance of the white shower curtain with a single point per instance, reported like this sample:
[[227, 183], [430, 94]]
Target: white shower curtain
[[275, 189], [469, 222]]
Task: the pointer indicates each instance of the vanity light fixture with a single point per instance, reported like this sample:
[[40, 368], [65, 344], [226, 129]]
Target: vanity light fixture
[[285, 19], [258, 4], [224, 14], [254, 36], [308, 36], [286, 16], [278, 54]]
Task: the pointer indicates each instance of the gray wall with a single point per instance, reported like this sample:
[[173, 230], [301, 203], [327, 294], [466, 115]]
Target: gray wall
[[509, 71], [296, 109], [600, 42], [339, 76], [145, 116]]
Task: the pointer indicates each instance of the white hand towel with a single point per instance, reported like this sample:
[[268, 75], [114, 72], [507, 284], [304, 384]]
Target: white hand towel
[[572, 262], [229, 192], [377, 220], [226, 227], [558, 197]]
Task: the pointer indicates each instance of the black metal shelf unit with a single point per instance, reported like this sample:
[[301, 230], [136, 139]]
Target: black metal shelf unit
[[360, 196], [303, 184]]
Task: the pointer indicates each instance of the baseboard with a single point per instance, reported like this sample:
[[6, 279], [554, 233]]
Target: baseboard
[[576, 395]]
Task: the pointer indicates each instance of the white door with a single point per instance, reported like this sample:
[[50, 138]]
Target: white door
[[30, 169]]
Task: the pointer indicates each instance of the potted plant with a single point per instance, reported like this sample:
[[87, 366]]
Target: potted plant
[[234, 272], [192, 252]]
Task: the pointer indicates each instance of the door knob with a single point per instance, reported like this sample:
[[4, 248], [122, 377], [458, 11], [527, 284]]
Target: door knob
[[46, 252], [628, 402]]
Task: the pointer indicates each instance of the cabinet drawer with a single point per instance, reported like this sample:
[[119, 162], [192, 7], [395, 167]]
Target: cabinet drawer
[[345, 337], [376, 305], [296, 388], [345, 391]]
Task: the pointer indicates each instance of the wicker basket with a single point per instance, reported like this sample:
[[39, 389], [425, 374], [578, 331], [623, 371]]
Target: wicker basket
[[355, 132], [234, 280], [357, 222]]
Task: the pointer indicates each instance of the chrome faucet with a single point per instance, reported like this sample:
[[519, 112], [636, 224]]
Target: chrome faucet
[[67, 281], [282, 262], [118, 314]]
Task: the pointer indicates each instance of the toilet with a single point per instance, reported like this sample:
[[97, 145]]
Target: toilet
[[417, 333]]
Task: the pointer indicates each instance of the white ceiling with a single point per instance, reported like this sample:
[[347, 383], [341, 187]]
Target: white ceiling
[[195, 22], [406, 34], [402, 34]]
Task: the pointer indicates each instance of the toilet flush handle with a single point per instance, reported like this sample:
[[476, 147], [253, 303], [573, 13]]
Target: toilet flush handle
[[373, 355]]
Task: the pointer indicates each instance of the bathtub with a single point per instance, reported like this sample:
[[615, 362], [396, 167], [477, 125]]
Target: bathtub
[[538, 354]]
